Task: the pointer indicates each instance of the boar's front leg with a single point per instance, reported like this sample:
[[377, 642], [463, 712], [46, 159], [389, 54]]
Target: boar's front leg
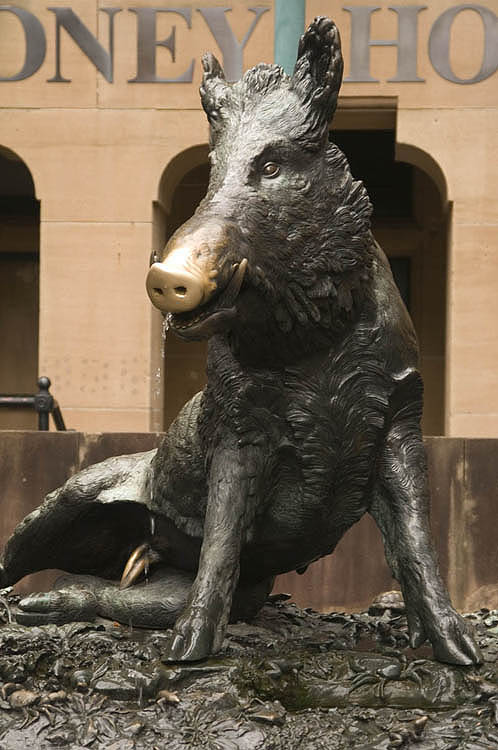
[[233, 473], [401, 510]]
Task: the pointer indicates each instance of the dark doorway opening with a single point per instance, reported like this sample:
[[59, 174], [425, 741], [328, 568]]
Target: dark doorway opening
[[19, 286]]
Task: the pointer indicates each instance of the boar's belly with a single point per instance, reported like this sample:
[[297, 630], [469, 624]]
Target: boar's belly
[[293, 540]]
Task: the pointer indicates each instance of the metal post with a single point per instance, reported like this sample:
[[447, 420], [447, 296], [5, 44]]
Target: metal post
[[44, 402], [289, 25], [58, 418]]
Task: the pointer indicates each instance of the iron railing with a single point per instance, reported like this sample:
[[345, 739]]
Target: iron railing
[[42, 402]]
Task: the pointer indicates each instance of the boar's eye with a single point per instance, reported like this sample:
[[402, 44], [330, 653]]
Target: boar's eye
[[153, 257], [270, 169]]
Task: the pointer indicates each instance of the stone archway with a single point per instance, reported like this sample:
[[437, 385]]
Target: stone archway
[[410, 221], [19, 285], [177, 368], [429, 256]]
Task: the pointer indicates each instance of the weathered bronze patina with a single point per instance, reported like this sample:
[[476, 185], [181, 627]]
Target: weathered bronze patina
[[311, 414]]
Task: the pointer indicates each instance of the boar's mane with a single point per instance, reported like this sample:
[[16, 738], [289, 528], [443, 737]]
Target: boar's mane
[[316, 80], [314, 262]]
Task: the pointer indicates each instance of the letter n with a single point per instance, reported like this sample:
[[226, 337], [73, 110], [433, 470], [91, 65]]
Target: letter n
[[67, 19]]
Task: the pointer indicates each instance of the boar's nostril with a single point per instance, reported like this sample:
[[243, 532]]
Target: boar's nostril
[[176, 287]]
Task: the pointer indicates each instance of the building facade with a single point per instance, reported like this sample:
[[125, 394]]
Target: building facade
[[103, 154]]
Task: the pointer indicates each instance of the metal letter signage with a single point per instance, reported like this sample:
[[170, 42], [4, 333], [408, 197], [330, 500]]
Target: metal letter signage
[[361, 42], [227, 41], [439, 44], [147, 44], [36, 46], [85, 40]]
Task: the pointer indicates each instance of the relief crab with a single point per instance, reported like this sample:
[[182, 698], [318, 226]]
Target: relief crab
[[394, 672]]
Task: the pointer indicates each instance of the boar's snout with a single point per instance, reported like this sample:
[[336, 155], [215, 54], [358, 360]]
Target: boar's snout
[[176, 284], [194, 265], [198, 280]]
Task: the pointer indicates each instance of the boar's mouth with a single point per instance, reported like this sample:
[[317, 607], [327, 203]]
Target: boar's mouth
[[213, 316]]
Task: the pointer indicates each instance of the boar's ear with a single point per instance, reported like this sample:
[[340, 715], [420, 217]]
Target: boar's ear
[[318, 72], [211, 68], [213, 87]]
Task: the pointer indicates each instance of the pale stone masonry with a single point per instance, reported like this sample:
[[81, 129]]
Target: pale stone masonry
[[108, 158]]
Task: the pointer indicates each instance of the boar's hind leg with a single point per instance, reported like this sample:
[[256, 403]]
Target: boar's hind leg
[[401, 509], [156, 604], [77, 598]]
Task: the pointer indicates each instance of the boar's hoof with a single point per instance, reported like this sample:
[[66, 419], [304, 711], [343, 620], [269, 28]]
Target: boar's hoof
[[58, 607], [193, 637], [450, 636]]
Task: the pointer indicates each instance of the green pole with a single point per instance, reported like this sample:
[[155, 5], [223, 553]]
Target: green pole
[[289, 25]]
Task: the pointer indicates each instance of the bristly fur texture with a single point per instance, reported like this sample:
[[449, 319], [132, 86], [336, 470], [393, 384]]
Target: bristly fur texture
[[313, 285], [311, 413], [316, 81]]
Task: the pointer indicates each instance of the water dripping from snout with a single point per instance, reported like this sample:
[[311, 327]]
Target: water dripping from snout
[[158, 373], [152, 524], [157, 383], [166, 326]]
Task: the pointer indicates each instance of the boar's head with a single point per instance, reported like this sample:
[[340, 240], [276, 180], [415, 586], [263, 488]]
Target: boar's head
[[281, 242]]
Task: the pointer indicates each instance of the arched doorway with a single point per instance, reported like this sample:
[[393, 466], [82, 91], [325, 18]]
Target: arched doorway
[[410, 221], [178, 369], [19, 285]]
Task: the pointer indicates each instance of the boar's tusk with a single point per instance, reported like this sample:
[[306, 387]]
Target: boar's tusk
[[138, 563], [233, 288]]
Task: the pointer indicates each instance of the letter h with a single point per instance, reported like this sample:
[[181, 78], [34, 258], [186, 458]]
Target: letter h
[[361, 42]]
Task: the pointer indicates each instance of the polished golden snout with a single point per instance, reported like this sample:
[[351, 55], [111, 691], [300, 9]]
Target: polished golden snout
[[176, 284]]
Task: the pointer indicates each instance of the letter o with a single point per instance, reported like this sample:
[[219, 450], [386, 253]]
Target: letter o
[[439, 44]]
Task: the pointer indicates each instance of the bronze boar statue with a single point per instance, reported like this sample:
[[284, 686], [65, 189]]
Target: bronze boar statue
[[311, 413]]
